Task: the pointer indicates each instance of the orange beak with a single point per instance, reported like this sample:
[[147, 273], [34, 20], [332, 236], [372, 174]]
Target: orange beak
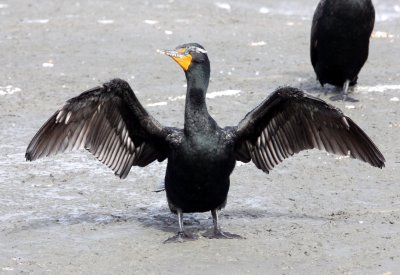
[[184, 60]]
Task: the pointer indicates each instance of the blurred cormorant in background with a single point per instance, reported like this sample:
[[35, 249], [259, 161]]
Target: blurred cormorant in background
[[340, 35]]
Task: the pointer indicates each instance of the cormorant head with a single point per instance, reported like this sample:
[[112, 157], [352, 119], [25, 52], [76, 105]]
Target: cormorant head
[[188, 55]]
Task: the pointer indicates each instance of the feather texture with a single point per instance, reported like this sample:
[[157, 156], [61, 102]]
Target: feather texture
[[109, 122], [290, 121]]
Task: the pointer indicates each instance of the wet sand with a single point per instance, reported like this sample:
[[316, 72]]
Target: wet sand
[[315, 213]]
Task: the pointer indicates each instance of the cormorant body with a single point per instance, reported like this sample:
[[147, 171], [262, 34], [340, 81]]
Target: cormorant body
[[110, 122], [340, 35]]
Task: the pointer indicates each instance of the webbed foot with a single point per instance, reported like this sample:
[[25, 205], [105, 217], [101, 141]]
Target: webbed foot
[[342, 97], [219, 234], [181, 237]]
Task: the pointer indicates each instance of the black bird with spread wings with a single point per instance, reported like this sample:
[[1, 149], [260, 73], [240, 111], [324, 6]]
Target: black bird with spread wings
[[110, 122]]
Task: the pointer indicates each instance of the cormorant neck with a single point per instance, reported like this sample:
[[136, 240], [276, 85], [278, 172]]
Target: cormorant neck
[[196, 114]]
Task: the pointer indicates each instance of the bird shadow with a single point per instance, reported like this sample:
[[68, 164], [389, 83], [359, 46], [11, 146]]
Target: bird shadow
[[196, 222], [159, 219]]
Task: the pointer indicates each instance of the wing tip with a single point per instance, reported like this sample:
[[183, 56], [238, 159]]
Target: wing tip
[[121, 175], [28, 156], [381, 163]]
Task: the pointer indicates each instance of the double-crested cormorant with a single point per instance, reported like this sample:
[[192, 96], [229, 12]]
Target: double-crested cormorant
[[340, 35], [110, 122]]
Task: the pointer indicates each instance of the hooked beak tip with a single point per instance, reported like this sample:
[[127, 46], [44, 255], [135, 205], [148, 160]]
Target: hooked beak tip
[[161, 51], [170, 53]]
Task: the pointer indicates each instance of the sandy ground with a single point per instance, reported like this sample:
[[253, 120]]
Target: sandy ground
[[314, 214]]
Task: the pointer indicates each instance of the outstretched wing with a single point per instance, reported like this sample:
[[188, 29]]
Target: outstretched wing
[[110, 122], [290, 121]]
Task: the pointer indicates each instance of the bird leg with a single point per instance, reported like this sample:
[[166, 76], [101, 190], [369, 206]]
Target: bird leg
[[181, 236], [216, 232], [345, 89], [344, 94]]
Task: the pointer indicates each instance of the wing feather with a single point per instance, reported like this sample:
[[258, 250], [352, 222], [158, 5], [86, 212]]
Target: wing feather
[[290, 121], [108, 121]]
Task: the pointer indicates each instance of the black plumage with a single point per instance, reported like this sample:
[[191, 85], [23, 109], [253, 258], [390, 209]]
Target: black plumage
[[340, 35], [110, 122]]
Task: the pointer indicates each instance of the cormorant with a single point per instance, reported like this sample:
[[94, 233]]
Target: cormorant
[[110, 122], [339, 46]]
